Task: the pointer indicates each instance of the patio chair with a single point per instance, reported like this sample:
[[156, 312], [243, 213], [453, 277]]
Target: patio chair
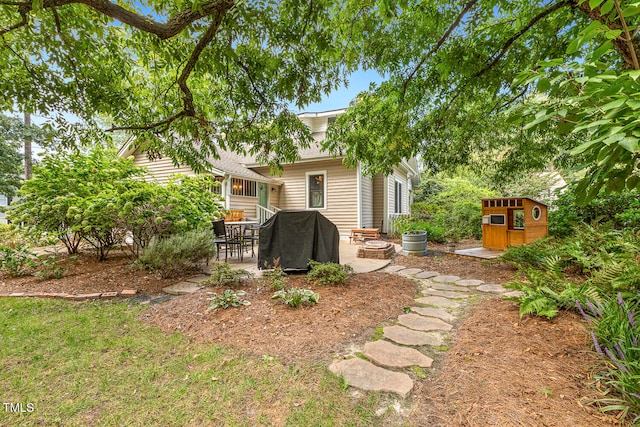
[[251, 237], [223, 239]]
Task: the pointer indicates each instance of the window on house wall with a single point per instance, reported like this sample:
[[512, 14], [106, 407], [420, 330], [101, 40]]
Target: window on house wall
[[3, 200], [243, 187], [217, 188], [316, 190], [398, 197]]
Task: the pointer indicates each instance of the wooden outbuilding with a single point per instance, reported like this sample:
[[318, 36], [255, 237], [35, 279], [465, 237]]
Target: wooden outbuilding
[[512, 221]]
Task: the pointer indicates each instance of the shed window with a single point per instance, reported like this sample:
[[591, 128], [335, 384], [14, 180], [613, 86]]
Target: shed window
[[497, 219]]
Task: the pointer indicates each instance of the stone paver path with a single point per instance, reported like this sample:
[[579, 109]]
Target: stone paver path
[[424, 330]]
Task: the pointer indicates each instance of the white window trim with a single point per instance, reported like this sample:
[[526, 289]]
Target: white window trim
[[306, 189]]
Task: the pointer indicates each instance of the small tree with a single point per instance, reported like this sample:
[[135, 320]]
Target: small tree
[[61, 195]]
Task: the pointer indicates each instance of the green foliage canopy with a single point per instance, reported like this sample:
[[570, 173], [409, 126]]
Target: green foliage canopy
[[450, 92], [186, 76], [13, 134]]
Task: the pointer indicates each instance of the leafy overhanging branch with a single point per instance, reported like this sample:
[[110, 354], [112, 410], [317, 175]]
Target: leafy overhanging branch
[[164, 30]]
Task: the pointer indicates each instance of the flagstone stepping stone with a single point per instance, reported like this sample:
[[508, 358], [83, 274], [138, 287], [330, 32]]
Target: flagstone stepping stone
[[445, 279], [469, 282], [513, 294], [427, 274], [496, 289], [434, 312], [197, 279], [390, 355], [394, 268], [421, 323], [446, 294], [438, 302], [406, 336], [445, 287], [367, 376], [182, 288], [410, 271]]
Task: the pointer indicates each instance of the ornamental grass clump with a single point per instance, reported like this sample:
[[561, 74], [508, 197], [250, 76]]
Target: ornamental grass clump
[[615, 330]]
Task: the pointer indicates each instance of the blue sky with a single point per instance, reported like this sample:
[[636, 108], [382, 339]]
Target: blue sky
[[358, 82]]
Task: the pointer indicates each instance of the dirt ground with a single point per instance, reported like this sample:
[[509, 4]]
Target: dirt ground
[[499, 370]]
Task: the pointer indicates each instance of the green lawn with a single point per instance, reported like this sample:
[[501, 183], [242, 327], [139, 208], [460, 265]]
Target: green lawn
[[93, 363]]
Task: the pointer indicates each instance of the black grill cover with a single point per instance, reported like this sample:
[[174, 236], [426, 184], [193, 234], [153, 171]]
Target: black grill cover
[[296, 237]]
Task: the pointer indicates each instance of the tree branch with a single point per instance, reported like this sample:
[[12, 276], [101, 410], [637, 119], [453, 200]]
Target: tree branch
[[627, 48], [523, 30], [166, 30], [193, 59], [188, 109], [629, 39], [22, 23], [439, 44]]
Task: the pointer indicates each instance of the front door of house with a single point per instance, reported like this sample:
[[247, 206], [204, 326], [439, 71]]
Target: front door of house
[[263, 194]]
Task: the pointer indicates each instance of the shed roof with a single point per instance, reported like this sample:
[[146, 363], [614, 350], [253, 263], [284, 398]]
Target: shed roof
[[515, 198]]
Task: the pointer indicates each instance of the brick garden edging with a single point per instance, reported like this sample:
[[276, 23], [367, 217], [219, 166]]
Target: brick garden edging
[[78, 297]]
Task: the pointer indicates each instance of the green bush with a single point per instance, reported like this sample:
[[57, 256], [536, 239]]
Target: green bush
[[229, 298], [223, 275], [275, 278], [328, 273], [294, 297], [16, 262], [178, 254], [49, 267], [448, 208], [618, 210], [99, 198]]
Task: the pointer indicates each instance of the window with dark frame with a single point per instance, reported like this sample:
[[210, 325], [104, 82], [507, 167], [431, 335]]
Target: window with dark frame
[[315, 187], [398, 197]]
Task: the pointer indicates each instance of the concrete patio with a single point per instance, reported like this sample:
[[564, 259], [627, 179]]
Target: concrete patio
[[348, 256]]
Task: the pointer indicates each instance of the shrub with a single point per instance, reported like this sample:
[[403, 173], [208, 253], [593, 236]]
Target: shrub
[[99, 198], [619, 210], [276, 278], [178, 254], [451, 206], [223, 275], [54, 200], [294, 297], [229, 298], [16, 262], [50, 268], [328, 273]]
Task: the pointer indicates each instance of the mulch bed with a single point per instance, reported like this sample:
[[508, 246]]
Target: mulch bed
[[345, 316]]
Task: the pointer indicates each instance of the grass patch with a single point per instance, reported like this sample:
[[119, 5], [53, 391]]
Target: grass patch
[[419, 372], [378, 333], [93, 363]]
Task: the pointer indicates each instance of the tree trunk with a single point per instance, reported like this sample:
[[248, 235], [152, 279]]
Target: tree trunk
[[27, 150]]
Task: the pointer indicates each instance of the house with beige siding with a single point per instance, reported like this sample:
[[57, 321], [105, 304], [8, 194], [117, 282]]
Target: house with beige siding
[[317, 181]]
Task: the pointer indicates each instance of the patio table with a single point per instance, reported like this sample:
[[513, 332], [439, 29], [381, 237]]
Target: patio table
[[237, 229]]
